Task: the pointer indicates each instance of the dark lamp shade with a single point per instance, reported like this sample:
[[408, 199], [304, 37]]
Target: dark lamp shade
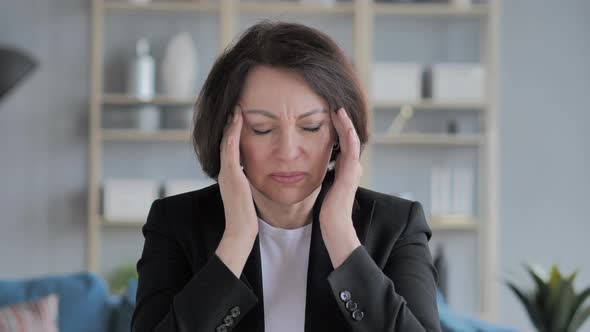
[[14, 66]]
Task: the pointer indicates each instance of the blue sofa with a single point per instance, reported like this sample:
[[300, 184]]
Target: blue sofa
[[85, 303], [453, 322]]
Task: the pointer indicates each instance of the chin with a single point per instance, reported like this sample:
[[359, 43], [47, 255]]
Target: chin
[[287, 195]]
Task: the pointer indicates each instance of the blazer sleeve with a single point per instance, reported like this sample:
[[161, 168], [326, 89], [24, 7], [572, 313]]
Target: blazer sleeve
[[171, 298], [402, 296]]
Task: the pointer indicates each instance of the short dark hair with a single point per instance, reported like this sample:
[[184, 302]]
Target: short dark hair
[[292, 46]]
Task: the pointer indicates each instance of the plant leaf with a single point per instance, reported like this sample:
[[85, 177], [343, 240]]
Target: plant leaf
[[579, 319], [564, 307], [533, 311], [572, 277], [555, 284], [578, 303], [542, 289]]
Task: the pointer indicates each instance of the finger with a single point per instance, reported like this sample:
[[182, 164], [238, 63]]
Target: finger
[[231, 141], [337, 122], [349, 140]]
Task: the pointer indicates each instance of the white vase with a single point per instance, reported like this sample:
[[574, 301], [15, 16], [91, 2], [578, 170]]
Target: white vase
[[179, 67]]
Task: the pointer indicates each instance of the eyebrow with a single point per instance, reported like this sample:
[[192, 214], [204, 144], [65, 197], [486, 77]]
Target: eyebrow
[[273, 116]]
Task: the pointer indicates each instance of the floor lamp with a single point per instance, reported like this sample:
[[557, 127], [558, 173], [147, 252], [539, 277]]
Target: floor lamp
[[14, 67]]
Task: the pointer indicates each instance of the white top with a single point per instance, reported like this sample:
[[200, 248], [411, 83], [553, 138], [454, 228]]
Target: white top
[[284, 257]]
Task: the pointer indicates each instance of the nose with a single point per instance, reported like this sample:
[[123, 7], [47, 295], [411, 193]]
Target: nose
[[287, 148]]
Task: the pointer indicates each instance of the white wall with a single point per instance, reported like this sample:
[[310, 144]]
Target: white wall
[[545, 141]]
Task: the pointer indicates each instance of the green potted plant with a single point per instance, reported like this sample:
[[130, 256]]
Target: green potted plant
[[120, 277], [553, 305]]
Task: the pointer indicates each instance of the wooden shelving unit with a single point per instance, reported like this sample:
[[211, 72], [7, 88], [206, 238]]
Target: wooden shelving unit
[[430, 106], [123, 99], [171, 6], [409, 9], [295, 8], [429, 139], [438, 223], [363, 13], [135, 135]]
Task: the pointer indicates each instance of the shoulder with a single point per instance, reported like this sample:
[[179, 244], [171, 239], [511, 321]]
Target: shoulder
[[383, 203], [391, 213], [182, 211], [203, 197]]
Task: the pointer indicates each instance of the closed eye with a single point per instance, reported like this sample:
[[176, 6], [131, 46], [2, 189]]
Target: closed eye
[[314, 129], [264, 132], [261, 132]]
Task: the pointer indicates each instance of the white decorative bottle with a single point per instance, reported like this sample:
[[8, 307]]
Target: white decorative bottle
[[141, 75], [141, 84]]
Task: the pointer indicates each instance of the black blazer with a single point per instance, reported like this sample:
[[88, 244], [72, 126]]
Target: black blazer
[[386, 284]]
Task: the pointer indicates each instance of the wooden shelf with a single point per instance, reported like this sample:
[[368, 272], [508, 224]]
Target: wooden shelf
[[475, 10], [171, 6], [429, 105], [129, 100], [280, 7], [438, 223], [452, 222], [170, 135], [121, 223], [429, 139], [297, 8]]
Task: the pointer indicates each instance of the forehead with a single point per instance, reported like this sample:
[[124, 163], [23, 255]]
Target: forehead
[[277, 89]]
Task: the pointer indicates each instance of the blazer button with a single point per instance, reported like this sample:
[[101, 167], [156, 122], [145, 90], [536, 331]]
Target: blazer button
[[235, 312], [358, 315], [351, 306], [345, 295], [221, 328], [228, 321]]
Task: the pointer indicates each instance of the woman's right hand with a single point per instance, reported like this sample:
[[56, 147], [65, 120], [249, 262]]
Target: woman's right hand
[[241, 221]]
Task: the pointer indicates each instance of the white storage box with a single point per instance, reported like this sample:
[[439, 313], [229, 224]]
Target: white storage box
[[458, 82], [129, 199], [452, 191], [179, 186], [396, 82], [463, 188]]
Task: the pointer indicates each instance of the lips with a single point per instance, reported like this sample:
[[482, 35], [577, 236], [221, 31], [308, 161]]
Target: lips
[[288, 177]]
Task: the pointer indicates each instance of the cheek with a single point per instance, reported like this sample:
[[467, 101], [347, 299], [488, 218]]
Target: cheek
[[320, 145], [251, 150]]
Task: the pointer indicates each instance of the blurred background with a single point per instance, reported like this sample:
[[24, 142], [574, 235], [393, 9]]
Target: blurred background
[[479, 110]]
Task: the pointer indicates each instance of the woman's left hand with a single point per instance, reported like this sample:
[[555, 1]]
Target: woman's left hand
[[336, 211]]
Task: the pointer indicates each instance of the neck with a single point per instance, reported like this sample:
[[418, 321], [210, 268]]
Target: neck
[[286, 216]]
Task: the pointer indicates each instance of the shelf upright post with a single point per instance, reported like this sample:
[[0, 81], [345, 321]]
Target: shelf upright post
[[228, 17], [362, 60], [94, 138], [488, 168]]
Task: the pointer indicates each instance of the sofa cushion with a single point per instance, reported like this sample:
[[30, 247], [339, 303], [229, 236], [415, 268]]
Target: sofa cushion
[[84, 301], [34, 316]]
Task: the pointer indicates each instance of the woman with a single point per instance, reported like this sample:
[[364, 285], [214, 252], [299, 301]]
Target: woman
[[286, 240]]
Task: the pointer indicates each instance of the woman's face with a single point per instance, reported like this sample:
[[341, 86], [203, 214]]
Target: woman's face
[[287, 135]]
